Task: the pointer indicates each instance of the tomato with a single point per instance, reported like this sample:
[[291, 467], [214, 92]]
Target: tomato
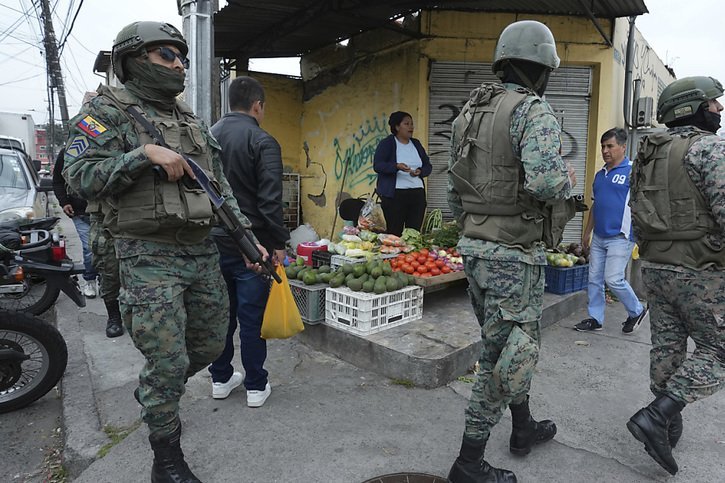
[[415, 264], [424, 252], [435, 271], [409, 258], [408, 269], [422, 269], [430, 264], [440, 263], [445, 269], [424, 275], [422, 260], [414, 254]]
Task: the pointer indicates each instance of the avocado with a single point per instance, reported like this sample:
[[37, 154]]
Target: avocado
[[301, 273], [310, 278], [376, 272], [355, 285], [347, 268], [387, 269], [291, 272], [391, 285], [358, 269], [368, 286], [379, 287], [324, 269], [300, 261], [337, 281]]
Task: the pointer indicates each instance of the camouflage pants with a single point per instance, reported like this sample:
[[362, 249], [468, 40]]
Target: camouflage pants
[[104, 259], [507, 299], [686, 304], [176, 309]]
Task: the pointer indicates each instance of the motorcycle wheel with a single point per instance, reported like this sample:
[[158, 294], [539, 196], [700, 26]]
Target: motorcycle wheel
[[25, 381], [39, 297]]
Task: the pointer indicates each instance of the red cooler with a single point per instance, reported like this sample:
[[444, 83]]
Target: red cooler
[[305, 250]]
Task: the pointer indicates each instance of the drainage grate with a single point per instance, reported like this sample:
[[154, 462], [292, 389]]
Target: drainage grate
[[407, 478]]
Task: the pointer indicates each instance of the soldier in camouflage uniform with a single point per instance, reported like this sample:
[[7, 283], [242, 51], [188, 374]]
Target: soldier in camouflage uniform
[[173, 297], [510, 190], [106, 264], [678, 208]]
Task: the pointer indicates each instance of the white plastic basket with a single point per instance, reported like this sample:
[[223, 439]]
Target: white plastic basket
[[310, 301], [364, 313], [337, 261]]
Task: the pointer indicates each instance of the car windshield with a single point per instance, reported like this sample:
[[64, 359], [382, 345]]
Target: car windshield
[[11, 173]]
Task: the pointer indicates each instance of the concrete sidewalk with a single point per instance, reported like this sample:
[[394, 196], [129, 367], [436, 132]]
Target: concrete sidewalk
[[329, 421]]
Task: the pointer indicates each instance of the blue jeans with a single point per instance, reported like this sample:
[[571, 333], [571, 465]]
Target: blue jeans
[[83, 226], [248, 293], [608, 258]]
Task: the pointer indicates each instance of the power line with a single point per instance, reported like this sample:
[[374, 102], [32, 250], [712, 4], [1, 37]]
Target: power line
[[20, 80], [62, 44]]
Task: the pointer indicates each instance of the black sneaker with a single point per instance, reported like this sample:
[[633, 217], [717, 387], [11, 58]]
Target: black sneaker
[[633, 323], [588, 325]]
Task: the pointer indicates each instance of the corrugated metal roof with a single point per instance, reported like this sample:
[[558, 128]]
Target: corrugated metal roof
[[286, 28]]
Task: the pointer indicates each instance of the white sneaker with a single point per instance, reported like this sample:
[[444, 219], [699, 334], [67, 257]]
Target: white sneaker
[[89, 289], [221, 390], [256, 399]]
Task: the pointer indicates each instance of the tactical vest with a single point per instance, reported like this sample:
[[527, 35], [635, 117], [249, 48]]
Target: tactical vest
[[158, 210], [489, 177], [675, 223]]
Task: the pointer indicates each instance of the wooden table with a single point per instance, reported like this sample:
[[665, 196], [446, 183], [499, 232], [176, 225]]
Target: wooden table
[[439, 282]]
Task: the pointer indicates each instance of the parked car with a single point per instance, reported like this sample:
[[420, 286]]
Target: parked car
[[23, 193]]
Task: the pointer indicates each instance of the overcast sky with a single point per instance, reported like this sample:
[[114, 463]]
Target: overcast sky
[[684, 38]]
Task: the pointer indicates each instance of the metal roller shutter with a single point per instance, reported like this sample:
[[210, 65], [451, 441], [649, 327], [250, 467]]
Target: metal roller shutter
[[450, 85]]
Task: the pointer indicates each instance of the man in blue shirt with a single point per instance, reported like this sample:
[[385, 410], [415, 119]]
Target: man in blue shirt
[[612, 241]]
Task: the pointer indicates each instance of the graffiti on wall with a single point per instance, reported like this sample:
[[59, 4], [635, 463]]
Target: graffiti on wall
[[354, 154], [441, 137], [644, 61]]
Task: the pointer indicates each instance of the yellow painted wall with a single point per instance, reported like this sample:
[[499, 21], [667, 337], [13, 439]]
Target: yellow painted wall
[[282, 114], [346, 120]]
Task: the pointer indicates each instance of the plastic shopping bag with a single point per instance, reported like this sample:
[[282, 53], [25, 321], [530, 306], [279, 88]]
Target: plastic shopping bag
[[281, 316], [371, 216]]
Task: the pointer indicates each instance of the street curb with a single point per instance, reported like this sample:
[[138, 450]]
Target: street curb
[[84, 436]]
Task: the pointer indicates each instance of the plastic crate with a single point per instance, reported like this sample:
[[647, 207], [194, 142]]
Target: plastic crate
[[310, 301], [320, 258], [337, 261], [560, 280], [364, 313]]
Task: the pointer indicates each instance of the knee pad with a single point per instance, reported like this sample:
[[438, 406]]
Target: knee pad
[[515, 367]]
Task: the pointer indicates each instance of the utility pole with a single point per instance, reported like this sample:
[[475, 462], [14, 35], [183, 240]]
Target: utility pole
[[55, 76], [197, 26]]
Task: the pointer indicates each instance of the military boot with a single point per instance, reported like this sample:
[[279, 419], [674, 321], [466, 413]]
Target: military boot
[[526, 432], [675, 430], [470, 467], [114, 326], [169, 465], [650, 425]]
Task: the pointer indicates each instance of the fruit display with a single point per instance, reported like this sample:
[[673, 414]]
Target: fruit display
[[428, 263], [567, 255], [375, 276]]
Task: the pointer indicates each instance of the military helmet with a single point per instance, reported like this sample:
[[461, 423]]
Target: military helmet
[[684, 96], [134, 37], [526, 40]]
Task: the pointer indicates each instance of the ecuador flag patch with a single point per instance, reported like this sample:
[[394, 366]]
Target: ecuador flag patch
[[91, 127]]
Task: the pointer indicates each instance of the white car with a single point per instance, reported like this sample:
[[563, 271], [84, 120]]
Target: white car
[[23, 194]]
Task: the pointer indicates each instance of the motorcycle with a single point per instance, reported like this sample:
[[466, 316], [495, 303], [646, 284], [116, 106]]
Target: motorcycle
[[34, 267], [33, 357]]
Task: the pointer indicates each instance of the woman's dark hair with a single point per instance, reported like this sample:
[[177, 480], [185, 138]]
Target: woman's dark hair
[[395, 119]]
